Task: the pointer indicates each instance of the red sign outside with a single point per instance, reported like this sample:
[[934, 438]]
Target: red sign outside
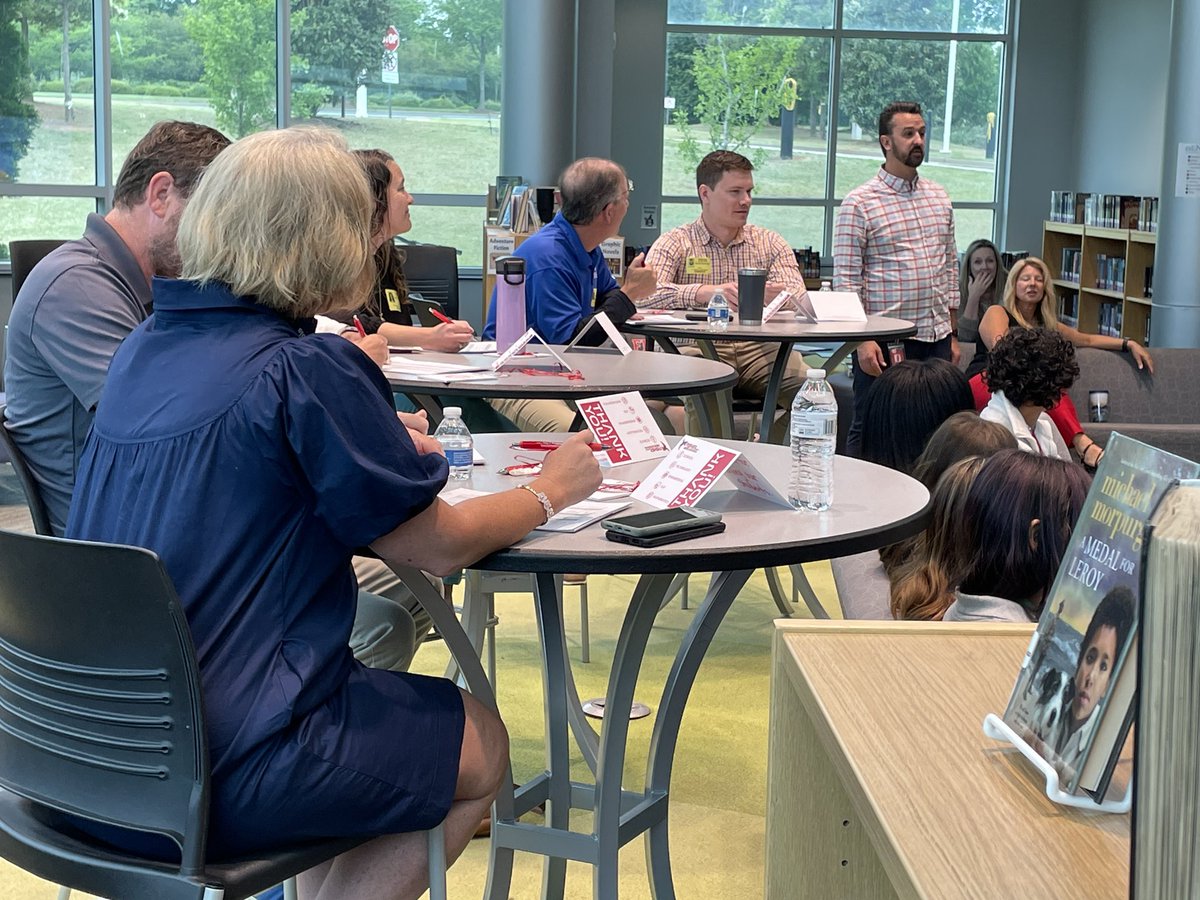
[[391, 39]]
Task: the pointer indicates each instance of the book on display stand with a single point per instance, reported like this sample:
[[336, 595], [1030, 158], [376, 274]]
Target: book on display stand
[[1073, 704]]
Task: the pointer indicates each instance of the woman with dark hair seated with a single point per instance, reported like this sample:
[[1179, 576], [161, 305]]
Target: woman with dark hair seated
[[905, 405], [387, 310], [1018, 518], [922, 584], [960, 437], [1027, 371]]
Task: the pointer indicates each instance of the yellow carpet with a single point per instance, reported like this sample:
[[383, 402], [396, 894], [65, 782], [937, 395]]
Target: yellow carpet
[[718, 795]]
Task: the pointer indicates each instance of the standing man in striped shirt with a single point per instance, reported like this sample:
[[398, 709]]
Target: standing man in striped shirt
[[893, 245], [696, 260]]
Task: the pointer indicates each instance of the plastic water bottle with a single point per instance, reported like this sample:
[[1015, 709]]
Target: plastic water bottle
[[718, 312], [827, 285], [814, 437], [456, 440]]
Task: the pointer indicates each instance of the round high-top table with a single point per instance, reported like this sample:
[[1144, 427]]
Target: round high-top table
[[872, 506], [603, 371], [785, 330]]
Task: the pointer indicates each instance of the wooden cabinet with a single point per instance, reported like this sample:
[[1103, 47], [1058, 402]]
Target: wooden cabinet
[[1100, 277]]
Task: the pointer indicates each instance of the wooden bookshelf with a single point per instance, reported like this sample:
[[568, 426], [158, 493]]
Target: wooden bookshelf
[[1090, 298]]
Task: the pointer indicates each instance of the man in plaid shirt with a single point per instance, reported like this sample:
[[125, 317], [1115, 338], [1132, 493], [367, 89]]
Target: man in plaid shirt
[[694, 261], [893, 245]]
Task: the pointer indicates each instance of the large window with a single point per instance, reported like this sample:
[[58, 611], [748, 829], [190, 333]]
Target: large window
[[797, 85], [418, 78]]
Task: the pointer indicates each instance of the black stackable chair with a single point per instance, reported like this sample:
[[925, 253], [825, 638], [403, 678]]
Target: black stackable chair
[[101, 717], [29, 485], [432, 271], [25, 255]]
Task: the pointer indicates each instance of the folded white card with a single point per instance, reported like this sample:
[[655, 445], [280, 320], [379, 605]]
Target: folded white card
[[623, 424], [832, 306], [693, 467]]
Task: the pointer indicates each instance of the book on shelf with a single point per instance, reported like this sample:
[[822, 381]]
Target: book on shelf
[[1008, 258], [1072, 262], [1073, 702], [1166, 803], [1110, 272], [1104, 210], [1147, 218], [1068, 307], [1110, 319]]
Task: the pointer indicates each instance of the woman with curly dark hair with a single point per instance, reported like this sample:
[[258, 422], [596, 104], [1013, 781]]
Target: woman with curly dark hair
[[1027, 371]]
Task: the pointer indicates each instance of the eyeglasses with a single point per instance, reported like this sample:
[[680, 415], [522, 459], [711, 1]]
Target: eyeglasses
[[629, 182]]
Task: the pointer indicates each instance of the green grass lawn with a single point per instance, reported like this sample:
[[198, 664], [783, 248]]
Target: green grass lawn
[[460, 155]]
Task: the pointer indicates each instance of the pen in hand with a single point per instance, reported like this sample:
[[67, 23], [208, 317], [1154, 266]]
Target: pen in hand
[[441, 316], [362, 332]]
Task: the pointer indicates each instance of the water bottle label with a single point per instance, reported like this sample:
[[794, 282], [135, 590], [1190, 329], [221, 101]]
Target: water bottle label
[[815, 424], [462, 456]]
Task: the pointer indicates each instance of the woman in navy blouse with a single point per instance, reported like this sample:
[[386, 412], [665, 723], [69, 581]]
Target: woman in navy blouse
[[254, 457]]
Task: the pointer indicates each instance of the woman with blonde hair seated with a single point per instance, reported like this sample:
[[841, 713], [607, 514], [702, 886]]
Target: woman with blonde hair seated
[[253, 458], [1029, 302]]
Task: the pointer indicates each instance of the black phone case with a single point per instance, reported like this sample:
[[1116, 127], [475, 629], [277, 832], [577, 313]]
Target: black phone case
[[657, 540]]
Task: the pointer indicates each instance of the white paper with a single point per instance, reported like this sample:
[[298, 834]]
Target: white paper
[[747, 478], [658, 319], [693, 467], [580, 515], [623, 422], [776, 305], [508, 357], [686, 475], [1187, 171], [833, 306], [611, 489], [606, 325], [479, 347], [409, 365]]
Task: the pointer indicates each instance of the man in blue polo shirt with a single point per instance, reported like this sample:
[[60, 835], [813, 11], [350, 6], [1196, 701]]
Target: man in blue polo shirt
[[567, 280]]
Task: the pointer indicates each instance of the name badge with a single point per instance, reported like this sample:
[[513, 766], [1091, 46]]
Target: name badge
[[393, 299], [698, 265]]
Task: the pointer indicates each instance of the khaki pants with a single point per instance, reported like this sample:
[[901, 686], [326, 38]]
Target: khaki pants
[[536, 415], [753, 362], [389, 623]]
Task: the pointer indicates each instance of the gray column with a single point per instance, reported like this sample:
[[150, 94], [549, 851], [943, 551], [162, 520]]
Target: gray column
[[537, 128], [638, 82], [594, 108], [1175, 321]]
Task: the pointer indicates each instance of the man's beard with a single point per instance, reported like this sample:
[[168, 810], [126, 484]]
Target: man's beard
[[164, 251]]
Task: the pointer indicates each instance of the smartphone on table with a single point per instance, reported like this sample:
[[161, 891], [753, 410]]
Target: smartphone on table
[[662, 526]]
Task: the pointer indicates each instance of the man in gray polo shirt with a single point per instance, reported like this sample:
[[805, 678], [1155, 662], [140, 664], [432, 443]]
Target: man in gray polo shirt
[[80, 302]]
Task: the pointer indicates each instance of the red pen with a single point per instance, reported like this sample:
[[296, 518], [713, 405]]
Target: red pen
[[445, 318], [553, 445], [362, 332]]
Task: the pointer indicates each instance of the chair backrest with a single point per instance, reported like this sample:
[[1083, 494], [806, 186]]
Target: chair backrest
[[33, 493], [100, 706], [424, 309], [432, 272], [26, 255]]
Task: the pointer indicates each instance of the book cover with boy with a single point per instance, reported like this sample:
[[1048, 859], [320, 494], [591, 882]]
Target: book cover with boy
[[1075, 690]]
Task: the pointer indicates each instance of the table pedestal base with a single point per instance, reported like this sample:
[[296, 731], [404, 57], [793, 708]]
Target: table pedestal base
[[619, 815]]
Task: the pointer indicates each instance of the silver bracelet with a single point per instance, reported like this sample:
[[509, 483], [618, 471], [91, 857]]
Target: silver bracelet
[[541, 498]]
